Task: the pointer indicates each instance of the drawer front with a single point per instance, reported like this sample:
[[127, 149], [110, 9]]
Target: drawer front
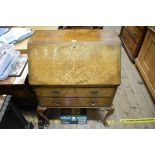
[[74, 102], [74, 92], [135, 33], [129, 42]]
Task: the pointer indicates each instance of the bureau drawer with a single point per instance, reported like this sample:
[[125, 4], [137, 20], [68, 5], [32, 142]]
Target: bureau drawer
[[129, 42], [74, 102], [135, 33], [74, 92]]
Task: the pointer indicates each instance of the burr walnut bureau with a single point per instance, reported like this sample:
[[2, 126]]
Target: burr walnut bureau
[[75, 68]]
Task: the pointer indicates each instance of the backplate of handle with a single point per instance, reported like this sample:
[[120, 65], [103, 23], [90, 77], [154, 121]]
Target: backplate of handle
[[94, 93], [55, 92], [93, 103], [57, 102]]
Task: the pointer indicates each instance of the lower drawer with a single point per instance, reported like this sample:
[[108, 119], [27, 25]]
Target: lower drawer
[[75, 102], [74, 92]]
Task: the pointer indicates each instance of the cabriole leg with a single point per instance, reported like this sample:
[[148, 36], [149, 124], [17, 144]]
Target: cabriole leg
[[110, 111]]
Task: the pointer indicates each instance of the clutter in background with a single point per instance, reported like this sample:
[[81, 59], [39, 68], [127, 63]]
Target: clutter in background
[[11, 61], [8, 57], [18, 67], [3, 30], [15, 35], [73, 116]]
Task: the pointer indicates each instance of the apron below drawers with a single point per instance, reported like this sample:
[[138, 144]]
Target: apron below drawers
[[74, 92], [75, 102]]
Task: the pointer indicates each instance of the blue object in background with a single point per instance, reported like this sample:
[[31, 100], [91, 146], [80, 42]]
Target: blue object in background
[[8, 57], [3, 30], [15, 35], [4, 62], [8, 69]]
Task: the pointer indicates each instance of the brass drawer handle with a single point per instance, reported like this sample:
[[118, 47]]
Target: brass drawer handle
[[57, 102], [55, 92], [93, 103], [94, 92]]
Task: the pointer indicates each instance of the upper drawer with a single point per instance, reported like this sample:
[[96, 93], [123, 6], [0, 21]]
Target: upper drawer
[[74, 92], [135, 33]]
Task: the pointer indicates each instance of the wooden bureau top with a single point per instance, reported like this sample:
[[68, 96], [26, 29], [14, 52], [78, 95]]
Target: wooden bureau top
[[73, 64], [67, 35]]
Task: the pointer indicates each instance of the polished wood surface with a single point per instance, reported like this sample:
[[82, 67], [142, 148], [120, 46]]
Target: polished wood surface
[[129, 42], [73, 63], [146, 61], [66, 35], [132, 38], [141, 28], [74, 68], [74, 92], [135, 33], [68, 65], [75, 102]]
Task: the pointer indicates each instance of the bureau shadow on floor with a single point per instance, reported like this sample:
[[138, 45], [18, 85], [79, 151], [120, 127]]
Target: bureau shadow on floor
[[94, 120], [92, 114]]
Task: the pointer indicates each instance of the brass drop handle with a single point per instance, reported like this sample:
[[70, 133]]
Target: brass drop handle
[[55, 92], [94, 92], [93, 103], [57, 102]]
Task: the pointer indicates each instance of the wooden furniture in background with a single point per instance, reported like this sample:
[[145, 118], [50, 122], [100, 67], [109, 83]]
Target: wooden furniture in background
[[132, 38], [20, 90], [80, 27], [146, 61], [78, 68]]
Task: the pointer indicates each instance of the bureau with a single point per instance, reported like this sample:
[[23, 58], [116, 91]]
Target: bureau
[[76, 68]]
